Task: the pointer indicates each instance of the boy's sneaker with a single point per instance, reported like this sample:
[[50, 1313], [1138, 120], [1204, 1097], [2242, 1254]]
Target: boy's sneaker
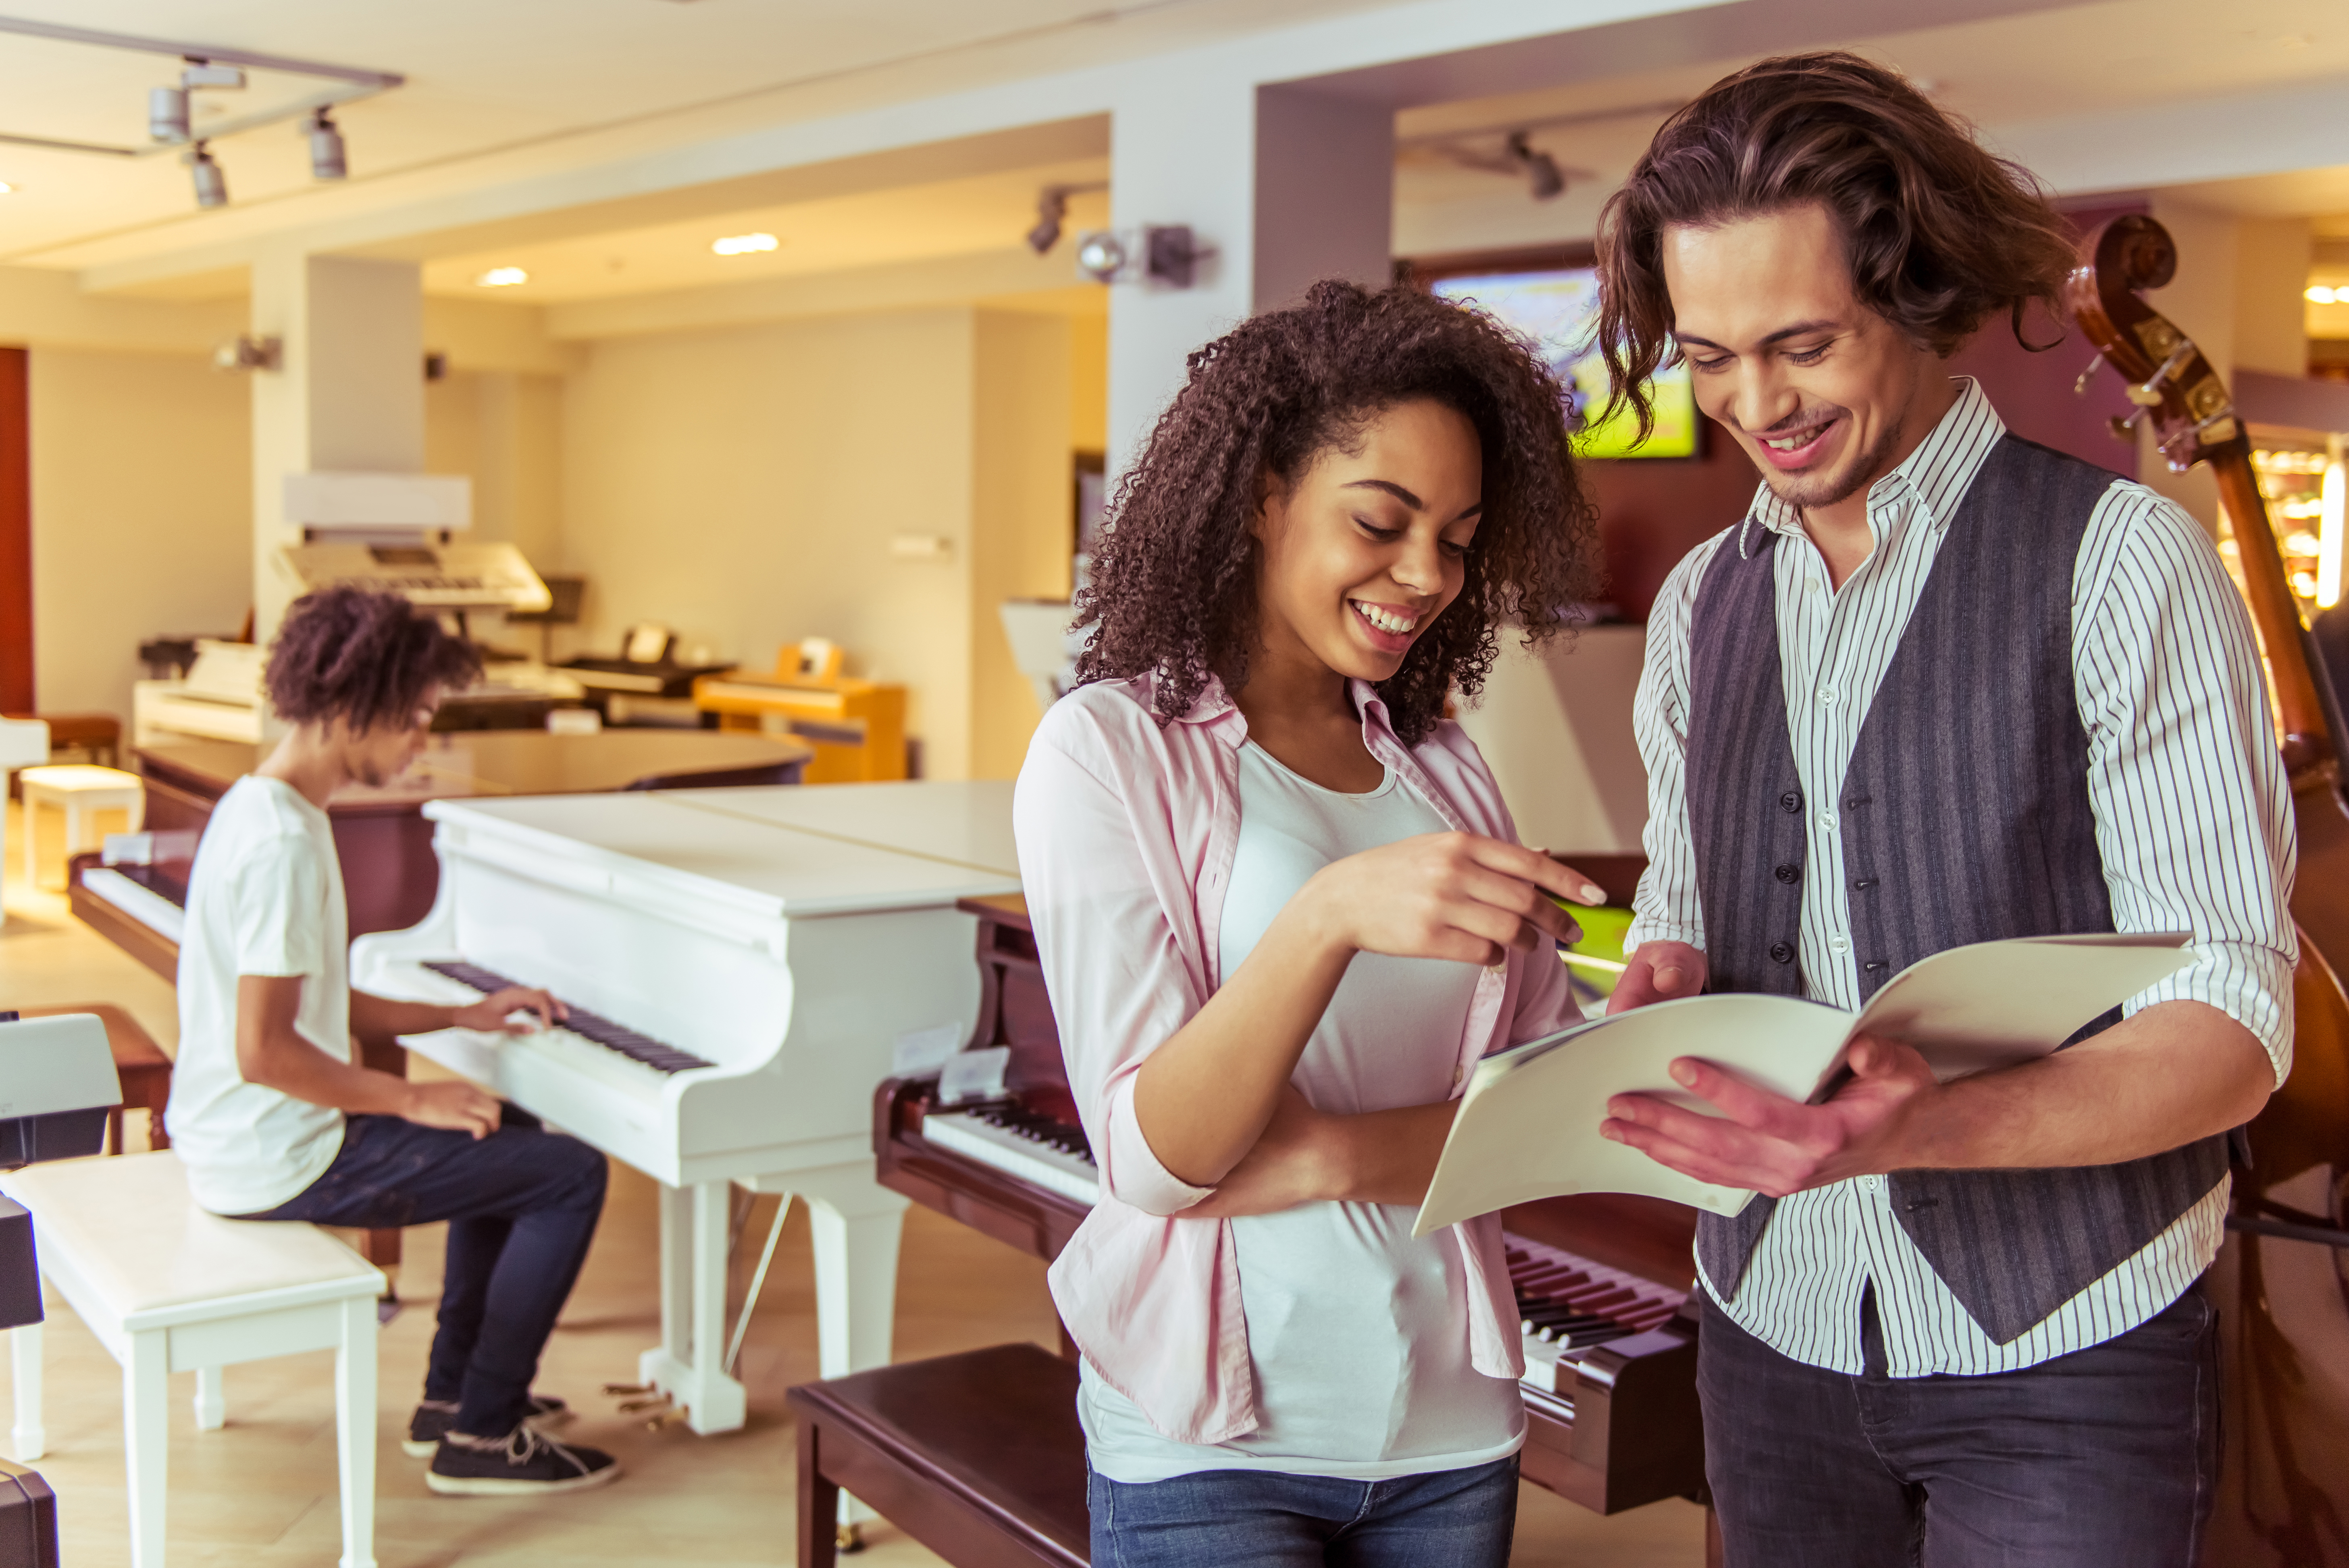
[[522, 1463], [433, 1419]]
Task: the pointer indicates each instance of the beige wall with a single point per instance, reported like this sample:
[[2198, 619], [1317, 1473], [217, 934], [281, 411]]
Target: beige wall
[[745, 486], [142, 515], [1024, 522], [1089, 383]]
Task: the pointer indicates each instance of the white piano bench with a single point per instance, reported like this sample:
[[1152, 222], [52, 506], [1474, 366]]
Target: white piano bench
[[167, 1287], [74, 789]]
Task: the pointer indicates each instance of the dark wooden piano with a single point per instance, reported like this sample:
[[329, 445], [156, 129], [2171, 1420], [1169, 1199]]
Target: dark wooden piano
[[1602, 1281]]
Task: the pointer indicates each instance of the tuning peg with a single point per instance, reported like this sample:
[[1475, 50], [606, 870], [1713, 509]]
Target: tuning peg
[[2080, 387], [2146, 397], [2125, 428]]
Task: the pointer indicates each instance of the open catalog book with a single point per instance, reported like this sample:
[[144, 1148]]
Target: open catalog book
[[1528, 1125]]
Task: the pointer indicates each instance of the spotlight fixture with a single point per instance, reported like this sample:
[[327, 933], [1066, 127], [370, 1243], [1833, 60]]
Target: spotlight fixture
[[167, 115], [212, 185], [1544, 179], [248, 353], [1051, 207], [204, 74], [1101, 255], [7, 189], [744, 245], [2317, 294], [502, 278], [327, 157]]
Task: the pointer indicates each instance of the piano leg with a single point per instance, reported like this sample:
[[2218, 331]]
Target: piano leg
[[856, 1224], [688, 1366], [32, 1438]]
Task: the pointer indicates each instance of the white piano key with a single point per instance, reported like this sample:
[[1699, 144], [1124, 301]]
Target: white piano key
[[967, 1135], [149, 908]]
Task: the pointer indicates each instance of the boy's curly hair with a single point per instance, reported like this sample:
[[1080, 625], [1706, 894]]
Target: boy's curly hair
[[365, 659], [1173, 582]]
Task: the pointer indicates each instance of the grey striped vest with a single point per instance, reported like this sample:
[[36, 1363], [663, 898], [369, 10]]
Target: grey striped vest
[[1965, 819]]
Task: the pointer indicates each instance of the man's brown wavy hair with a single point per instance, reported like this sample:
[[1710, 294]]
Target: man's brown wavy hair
[[365, 659], [1173, 582], [1940, 234]]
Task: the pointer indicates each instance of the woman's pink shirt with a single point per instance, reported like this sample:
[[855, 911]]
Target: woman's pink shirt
[[1126, 833]]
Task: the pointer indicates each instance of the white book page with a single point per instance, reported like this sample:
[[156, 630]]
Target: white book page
[[1529, 1124]]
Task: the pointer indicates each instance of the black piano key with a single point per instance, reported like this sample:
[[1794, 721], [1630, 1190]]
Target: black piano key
[[612, 1036]]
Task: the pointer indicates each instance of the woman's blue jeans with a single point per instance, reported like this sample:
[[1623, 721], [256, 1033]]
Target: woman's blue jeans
[[1258, 1519]]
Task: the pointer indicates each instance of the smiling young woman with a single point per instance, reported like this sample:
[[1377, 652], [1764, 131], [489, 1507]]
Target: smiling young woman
[[1282, 911]]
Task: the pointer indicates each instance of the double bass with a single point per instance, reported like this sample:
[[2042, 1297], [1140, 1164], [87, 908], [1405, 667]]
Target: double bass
[[2282, 1280]]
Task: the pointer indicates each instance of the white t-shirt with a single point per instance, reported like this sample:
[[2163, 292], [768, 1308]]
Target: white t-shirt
[[1357, 1334], [266, 897]]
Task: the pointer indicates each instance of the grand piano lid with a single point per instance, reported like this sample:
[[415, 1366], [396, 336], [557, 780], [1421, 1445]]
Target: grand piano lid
[[649, 840], [961, 823]]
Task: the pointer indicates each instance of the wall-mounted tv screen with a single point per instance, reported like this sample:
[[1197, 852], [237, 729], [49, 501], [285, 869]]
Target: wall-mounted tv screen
[[1557, 307]]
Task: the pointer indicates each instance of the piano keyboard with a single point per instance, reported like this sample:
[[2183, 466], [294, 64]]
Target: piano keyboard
[[640, 1049], [148, 895], [1569, 1305], [1038, 1149]]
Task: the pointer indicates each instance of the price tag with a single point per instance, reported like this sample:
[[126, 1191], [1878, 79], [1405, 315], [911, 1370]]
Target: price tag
[[975, 1075]]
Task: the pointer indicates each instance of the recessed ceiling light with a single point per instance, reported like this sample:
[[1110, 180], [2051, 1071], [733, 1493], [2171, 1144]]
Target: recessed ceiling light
[[2318, 293], [502, 277], [742, 244]]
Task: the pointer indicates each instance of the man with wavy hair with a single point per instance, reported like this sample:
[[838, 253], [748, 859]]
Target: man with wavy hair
[[275, 1121], [1940, 686]]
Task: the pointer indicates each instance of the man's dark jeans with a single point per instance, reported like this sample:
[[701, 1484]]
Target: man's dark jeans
[[522, 1206], [2100, 1458]]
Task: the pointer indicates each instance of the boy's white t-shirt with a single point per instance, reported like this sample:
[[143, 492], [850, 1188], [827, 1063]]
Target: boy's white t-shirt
[[1357, 1332], [266, 897]]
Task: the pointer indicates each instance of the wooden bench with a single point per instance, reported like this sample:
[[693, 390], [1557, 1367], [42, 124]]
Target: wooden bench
[[977, 1455]]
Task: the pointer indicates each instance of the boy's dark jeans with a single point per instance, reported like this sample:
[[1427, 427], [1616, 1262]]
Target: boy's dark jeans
[[522, 1206]]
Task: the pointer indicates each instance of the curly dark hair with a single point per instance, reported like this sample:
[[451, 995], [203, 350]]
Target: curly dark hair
[[1173, 582], [1940, 233], [364, 658]]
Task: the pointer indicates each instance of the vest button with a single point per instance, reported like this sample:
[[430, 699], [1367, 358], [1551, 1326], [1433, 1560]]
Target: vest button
[[1792, 800], [1787, 873], [1782, 952]]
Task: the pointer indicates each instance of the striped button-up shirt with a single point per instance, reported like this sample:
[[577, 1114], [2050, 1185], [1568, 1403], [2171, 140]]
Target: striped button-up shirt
[[2193, 825]]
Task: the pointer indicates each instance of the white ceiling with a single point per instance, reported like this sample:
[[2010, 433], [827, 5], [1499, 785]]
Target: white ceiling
[[874, 228], [491, 78], [550, 75]]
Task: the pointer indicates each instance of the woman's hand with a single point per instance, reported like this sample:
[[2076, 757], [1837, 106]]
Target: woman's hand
[[1299, 1158], [1460, 896]]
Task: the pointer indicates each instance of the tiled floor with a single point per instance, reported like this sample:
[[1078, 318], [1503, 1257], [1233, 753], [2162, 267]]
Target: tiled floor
[[261, 1492]]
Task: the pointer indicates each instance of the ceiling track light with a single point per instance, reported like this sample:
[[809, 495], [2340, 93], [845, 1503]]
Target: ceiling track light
[[1544, 179], [169, 120], [212, 185], [1052, 211], [329, 158]]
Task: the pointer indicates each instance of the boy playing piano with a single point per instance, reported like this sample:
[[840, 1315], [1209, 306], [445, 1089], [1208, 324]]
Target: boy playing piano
[[275, 1121]]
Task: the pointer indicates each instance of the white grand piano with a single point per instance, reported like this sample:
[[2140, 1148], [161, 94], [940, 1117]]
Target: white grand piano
[[740, 964]]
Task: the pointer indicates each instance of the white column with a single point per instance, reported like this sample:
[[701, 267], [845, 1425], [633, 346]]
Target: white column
[[348, 395], [1289, 185]]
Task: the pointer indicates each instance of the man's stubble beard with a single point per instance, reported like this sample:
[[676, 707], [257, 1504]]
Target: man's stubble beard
[[1809, 491]]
